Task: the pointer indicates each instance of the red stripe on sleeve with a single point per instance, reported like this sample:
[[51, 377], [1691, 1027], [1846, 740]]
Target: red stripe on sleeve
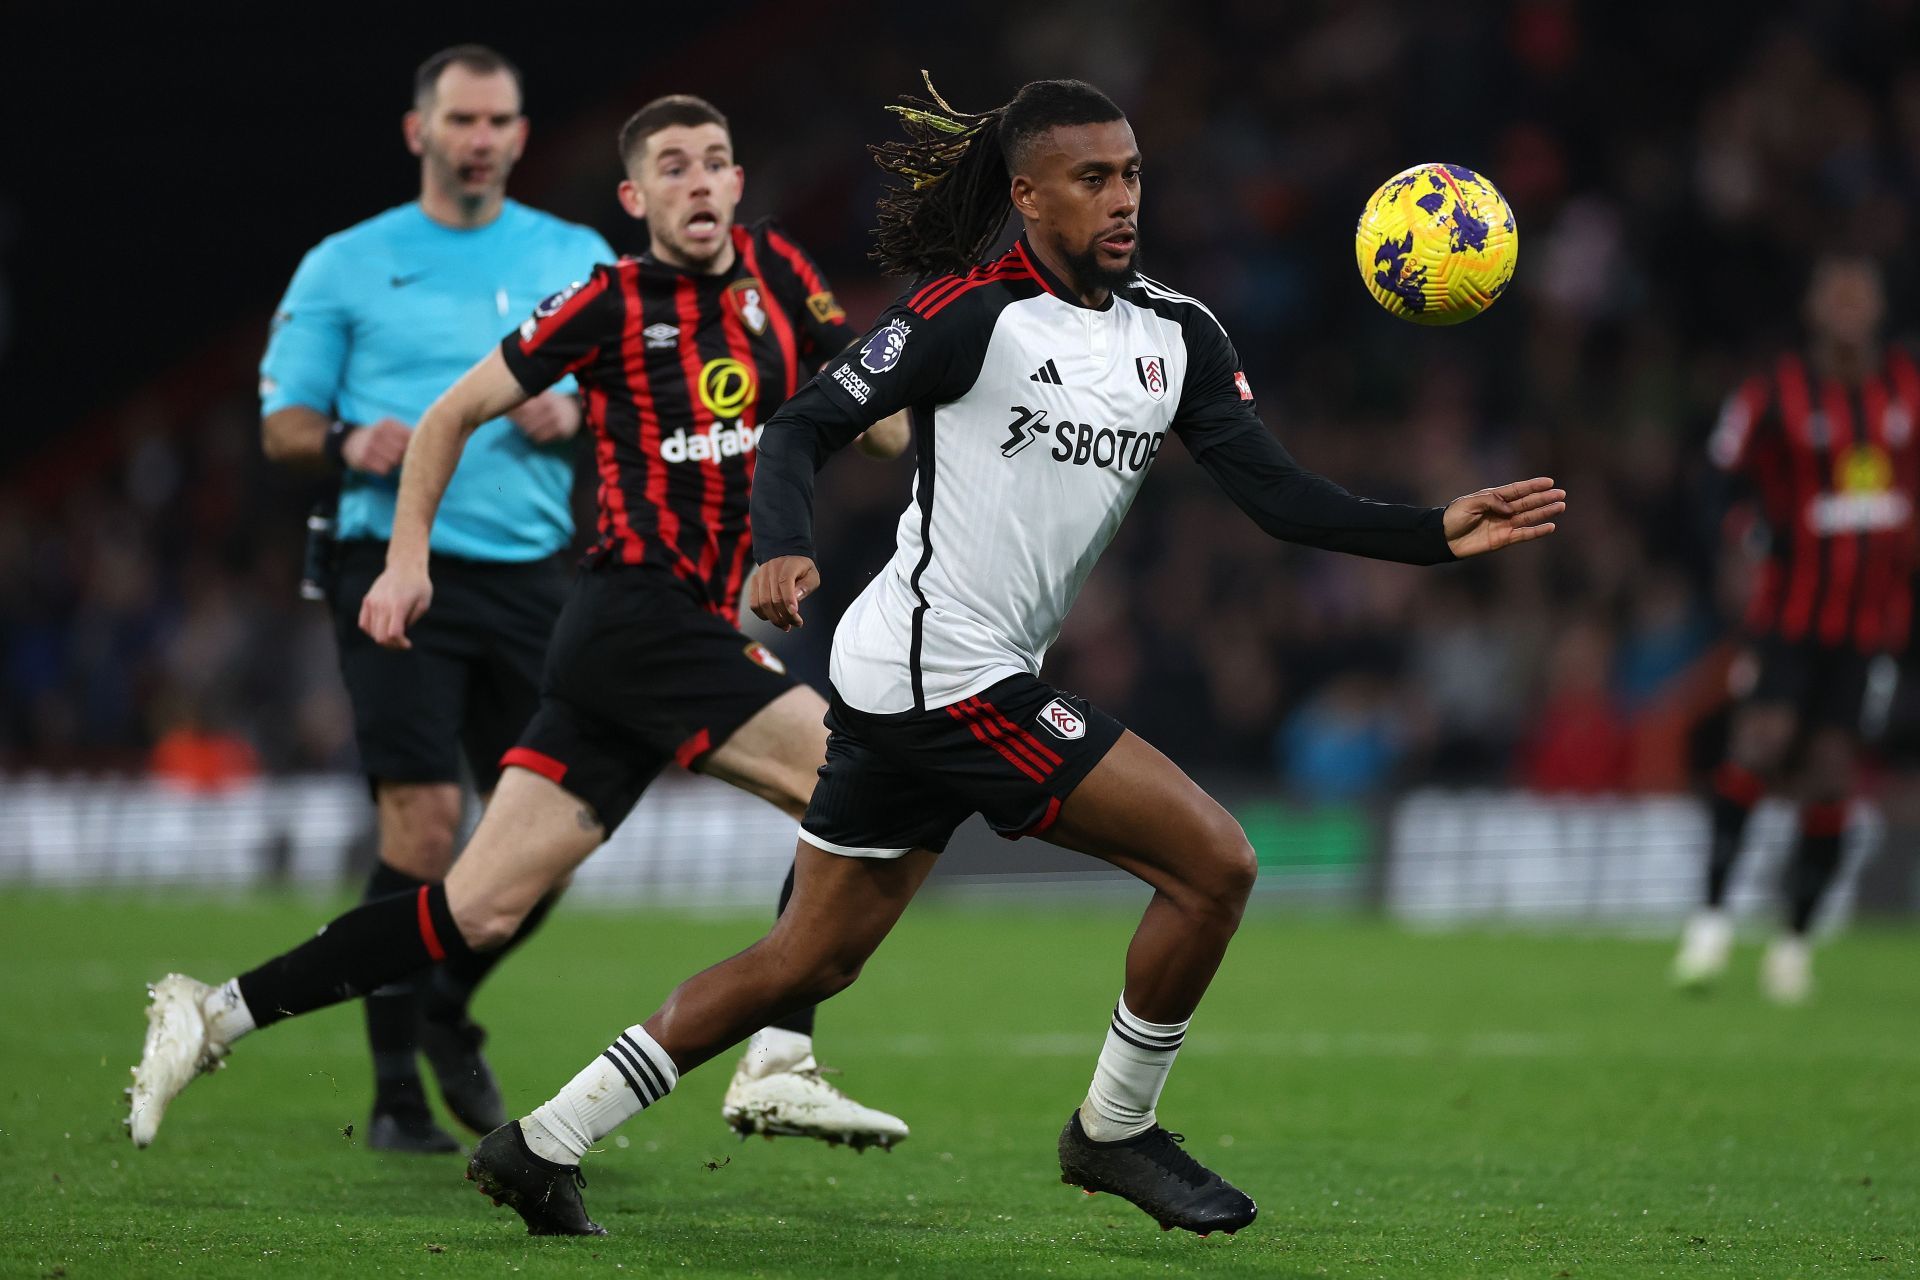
[[568, 310], [930, 288], [539, 762], [692, 749], [428, 937]]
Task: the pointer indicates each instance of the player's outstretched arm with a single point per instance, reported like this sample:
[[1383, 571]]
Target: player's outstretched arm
[[1489, 519], [403, 591]]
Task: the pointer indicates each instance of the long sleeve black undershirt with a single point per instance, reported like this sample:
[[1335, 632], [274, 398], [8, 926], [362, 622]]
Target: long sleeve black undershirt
[[1300, 506]]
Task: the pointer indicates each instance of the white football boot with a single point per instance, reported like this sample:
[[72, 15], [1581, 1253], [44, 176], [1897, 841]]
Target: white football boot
[[778, 1091], [1786, 973], [1704, 949], [179, 1047]]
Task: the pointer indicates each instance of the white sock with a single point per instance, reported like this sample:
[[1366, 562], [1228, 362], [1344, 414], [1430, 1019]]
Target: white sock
[[773, 1049], [226, 1012], [632, 1075], [1131, 1073]]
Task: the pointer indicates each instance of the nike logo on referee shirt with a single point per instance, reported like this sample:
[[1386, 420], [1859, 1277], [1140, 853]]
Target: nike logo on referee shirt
[[401, 282]]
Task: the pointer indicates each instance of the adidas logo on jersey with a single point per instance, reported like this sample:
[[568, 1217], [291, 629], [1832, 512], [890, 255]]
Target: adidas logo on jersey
[[1047, 374]]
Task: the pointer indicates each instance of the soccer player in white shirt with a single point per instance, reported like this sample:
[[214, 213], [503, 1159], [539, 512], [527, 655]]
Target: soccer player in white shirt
[[1041, 386]]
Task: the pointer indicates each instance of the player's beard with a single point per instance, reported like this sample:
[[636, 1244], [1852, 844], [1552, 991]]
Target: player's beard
[[1089, 275]]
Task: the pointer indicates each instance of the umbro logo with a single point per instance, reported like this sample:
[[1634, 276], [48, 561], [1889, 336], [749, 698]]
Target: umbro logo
[[661, 335], [401, 282], [1047, 374]]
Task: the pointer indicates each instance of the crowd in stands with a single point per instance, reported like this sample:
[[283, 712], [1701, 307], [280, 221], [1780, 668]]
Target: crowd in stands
[[1673, 169]]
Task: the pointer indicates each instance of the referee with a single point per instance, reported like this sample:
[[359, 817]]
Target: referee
[[379, 319]]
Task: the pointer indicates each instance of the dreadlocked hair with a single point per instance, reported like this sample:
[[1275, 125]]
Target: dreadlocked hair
[[950, 201]]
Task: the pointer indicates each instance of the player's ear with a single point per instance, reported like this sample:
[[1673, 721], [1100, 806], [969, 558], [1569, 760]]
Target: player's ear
[[1023, 196], [739, 182], [631, 199], [412, 125], [520, 137]]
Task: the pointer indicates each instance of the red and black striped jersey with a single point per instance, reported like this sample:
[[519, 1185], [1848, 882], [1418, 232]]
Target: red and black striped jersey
[[678, 373], [1836, 470]]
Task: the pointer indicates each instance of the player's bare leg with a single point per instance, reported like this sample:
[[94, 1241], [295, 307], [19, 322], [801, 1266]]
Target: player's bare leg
[[840, 911], [1138, 811], [777, 1087], [1759, 739]]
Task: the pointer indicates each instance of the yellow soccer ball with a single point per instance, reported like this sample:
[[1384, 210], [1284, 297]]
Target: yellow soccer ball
[[1436, 244]]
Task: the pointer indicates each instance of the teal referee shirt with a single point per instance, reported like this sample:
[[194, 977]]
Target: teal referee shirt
[[384, 316]]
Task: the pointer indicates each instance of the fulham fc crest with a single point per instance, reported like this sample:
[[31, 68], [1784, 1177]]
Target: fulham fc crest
[[1061, 720], [1152, 374]]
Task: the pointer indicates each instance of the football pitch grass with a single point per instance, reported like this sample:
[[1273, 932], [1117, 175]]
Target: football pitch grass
[[1399, 1104]]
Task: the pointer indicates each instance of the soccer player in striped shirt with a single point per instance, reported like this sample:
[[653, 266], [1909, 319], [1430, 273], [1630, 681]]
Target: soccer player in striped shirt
[[680, 355], [1825, 443]]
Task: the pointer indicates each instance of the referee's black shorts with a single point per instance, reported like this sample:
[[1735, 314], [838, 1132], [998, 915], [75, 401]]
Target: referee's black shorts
[[1012, 753], [470, 682], [641, 673]]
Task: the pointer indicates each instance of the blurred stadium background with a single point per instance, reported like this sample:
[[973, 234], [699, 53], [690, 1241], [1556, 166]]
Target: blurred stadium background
[[1517, 740]]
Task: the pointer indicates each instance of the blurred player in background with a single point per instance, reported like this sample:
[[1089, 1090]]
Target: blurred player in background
[[680, 355], [378, 321], [1825, 443], [1042, 387]]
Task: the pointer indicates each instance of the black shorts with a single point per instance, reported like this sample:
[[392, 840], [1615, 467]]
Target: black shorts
[[472, 679], [640, 673], [1827, 686], [1012, 753]]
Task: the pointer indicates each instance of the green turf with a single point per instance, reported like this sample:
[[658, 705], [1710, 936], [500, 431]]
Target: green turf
[[1479, 1105]]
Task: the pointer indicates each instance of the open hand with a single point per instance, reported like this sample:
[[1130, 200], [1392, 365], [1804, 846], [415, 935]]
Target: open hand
[[779, 587], [1490, 519]]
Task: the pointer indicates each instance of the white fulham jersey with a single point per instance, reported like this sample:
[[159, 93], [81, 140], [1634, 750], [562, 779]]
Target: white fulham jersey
[[1036, 420]]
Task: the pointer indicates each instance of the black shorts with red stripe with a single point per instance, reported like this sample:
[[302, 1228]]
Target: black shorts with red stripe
[[640, 674], [1011, 753]]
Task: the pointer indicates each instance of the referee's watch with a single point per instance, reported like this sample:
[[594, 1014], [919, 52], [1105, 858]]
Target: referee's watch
[[334, 446]]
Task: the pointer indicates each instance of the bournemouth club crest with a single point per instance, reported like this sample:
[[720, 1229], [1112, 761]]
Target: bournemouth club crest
[[748, 300]]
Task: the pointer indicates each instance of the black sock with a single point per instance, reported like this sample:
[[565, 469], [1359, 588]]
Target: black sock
[[374, 943], [1735, 792], [1816, 860], [451, 987], [800, 1020], [393, 1012]]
